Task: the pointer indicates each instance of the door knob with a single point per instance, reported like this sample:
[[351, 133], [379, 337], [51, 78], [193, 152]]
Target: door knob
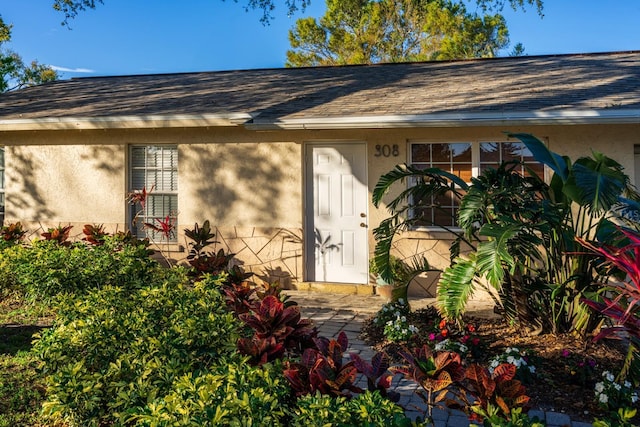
[[363, 215], [362, 224]]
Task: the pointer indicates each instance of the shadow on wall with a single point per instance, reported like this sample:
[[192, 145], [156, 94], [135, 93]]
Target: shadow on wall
[[102, 158], [246, 185], [27, 197]]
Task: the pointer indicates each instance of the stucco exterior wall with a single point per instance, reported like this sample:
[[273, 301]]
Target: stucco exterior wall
[[247, 184]]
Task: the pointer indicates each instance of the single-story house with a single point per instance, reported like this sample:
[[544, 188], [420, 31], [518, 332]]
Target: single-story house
[[282, 162]]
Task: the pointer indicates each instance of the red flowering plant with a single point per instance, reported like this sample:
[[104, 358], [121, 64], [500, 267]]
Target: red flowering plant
[[448, 336]]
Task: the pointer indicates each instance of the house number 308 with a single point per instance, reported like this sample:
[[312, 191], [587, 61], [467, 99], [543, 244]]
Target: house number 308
[[387, 150]]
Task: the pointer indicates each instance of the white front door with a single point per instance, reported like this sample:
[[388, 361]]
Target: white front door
[[336, 213]]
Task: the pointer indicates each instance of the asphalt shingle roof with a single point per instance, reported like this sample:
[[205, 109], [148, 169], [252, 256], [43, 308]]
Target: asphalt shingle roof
[[519, 84]]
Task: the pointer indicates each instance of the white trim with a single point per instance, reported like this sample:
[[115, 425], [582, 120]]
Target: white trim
[[252, 122], [126, 122], [565, 117]]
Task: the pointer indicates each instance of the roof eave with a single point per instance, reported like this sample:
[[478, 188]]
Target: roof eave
[[125, 122], [560, 117]]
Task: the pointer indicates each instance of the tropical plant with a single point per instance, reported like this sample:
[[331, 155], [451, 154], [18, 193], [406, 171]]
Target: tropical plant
[[58, 234], [405, 209], [377, 374], [621, 305], [276, 330], [321, 369], [491, 396], [94, 234], [434, 372], [520, 233], [12, 233]]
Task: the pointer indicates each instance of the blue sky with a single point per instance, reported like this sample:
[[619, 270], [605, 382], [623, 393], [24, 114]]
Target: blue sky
[[141, 37]]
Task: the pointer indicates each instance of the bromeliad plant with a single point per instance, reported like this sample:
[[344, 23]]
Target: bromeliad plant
[[622, 303]]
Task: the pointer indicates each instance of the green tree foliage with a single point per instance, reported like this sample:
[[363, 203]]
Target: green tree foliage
[[372, 31], [14, 73], [71, 8]]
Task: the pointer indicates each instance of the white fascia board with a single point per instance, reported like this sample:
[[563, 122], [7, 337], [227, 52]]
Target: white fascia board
[[126, 122], [564, 117]]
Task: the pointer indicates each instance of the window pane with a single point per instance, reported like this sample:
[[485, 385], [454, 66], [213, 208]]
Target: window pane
[[463, 171], [421, 153], [511, 151], [461, 152], [489, 152], [137, 157], [440, 153], [537, 168]]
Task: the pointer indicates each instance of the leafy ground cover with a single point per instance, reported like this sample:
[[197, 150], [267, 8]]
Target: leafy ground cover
[[21, 389], [566, 367]]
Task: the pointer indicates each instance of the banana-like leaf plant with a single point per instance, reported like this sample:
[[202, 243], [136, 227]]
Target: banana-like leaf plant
[[528, 252]]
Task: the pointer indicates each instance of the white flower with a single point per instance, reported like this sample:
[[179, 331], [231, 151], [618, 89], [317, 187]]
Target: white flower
[[627, 384], [441, 345], [403, 318], [511, 360], [603, 398], [495, 363], [532, 369], [609, 376], [599, 387], [401, 301], [634, 397], [617, 386]]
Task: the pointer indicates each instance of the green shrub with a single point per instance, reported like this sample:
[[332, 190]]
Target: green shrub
[[367, 409], [117, 349], [47, 269], [230, 394]]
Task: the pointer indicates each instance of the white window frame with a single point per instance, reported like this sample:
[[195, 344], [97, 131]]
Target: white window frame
[[170, 196], [475, 163]]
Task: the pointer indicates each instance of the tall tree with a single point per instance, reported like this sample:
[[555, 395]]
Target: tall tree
[[371, 31], [14, 73]]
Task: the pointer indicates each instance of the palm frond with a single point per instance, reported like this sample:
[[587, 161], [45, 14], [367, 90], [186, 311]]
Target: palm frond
[[456, 286]]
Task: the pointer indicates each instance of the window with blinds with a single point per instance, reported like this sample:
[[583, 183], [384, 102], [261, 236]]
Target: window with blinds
[[155, 168]]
